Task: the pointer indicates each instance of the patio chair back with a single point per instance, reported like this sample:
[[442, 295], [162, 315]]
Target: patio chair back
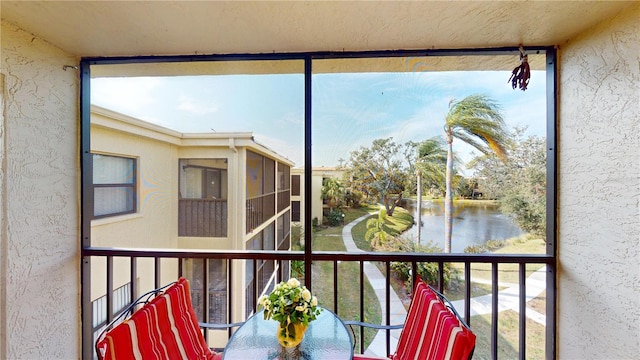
[[166, 327], [432, 330]]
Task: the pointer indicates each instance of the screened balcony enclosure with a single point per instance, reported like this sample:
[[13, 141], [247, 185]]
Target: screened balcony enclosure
[[230, 151]]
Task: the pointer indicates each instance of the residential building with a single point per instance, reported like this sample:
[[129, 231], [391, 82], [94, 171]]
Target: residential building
[[187, 191], [318, 206]]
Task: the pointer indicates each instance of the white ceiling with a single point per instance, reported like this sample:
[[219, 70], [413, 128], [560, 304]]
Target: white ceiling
[[130, 28]]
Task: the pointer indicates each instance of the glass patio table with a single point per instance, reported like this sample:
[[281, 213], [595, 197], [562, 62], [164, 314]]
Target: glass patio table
[[326, 338]]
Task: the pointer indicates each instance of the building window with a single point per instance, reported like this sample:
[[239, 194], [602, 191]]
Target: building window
[[283, 177], [295, 211], [114, 185], [295, 185]]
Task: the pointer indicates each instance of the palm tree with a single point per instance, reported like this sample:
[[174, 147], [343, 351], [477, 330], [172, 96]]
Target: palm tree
[[477, 121], [431, 164], [332, 191], [432, 159], [376, 233]]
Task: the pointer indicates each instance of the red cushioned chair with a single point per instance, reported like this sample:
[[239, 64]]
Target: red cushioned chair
[[433, 330], [165, 328]]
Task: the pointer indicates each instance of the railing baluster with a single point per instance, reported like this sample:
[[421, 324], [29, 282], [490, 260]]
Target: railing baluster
[[361, 305], [335, 286], [414, 274], [467, 292], [523, 310], [109, 289], [229, 292], [494, 310], [388, 304], [206, 302], [133, 263], [157, 274], [255, 285], [441, 277]]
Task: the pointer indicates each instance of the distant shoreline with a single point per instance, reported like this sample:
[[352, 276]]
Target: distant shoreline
[[458, 201]]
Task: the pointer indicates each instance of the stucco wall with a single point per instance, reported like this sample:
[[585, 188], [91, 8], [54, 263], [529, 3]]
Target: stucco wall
[[599, 191], [40, 315]]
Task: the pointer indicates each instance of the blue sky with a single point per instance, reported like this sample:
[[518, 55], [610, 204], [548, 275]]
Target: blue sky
[[349, 110]]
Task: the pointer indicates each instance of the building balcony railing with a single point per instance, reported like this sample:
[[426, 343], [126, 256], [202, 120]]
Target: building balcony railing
[[284, 199], [259, 210], [149, 269], [202, 217]]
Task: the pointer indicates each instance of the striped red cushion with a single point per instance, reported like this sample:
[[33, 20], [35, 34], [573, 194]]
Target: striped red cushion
[[432, 331], [165, 328], [185, 322]]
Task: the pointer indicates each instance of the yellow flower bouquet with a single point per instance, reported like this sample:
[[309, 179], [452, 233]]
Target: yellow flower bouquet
[[293, 307]]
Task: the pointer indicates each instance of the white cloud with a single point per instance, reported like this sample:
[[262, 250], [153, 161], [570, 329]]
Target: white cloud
[[192, 106], [125, 95], [291, 118]]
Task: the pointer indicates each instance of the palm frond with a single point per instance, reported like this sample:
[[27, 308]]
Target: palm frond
[[477, 121]]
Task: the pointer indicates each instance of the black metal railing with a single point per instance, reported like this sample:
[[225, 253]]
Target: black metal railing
[[238, 260]]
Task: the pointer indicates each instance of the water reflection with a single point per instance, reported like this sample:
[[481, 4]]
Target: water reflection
[[473, 224]]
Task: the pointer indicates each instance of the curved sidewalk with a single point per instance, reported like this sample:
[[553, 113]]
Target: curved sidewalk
[[507, 298], [398, 314]]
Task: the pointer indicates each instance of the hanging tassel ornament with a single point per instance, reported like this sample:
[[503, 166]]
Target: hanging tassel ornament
[[521, 74]]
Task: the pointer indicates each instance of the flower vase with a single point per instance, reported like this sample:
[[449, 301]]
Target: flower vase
[[290, 336]]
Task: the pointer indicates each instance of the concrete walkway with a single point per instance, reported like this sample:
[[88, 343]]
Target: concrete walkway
[[378, 346], [507, 298]]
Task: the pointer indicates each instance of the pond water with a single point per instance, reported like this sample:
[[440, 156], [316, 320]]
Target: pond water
[[473, 224]]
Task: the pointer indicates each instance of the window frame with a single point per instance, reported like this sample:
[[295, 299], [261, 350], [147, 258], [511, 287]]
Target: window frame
[[549, 51], [133, 186]]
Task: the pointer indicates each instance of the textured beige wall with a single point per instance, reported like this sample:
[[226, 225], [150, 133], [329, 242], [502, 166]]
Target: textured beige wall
[[599, 192], [40, 315]]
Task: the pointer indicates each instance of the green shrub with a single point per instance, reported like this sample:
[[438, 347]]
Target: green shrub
[[335, 217], [495, 244], [475, 249], [297, 269], [428, 271]]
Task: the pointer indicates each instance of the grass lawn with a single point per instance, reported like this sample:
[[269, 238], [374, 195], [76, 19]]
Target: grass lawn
[[508, 321], [507, 337], [330, 239], [510, 272], [401, 221]]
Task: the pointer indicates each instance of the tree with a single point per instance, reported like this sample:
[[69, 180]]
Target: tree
[[477, 121], [431, 161], [380, 171], [519, 184], [332, 191]]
